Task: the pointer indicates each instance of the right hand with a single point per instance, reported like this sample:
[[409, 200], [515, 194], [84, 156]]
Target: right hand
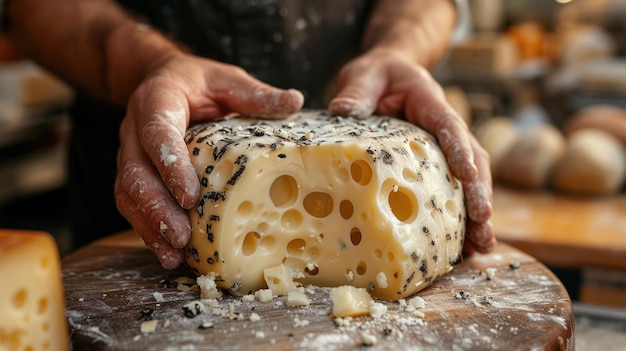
[[156, 183]]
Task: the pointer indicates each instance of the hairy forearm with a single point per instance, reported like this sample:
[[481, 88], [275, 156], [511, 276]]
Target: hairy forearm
[[92, 44], [419, 29]]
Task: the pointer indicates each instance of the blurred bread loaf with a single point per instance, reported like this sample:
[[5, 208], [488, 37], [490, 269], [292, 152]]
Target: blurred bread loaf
[[530, 159], [497, 135], [594, 163]]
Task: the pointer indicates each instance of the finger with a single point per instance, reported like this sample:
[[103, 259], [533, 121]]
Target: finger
[[245, 95], [359, 90], [162, 121], [479, 191], [427, 108], [140, 180], [480, 237], [169, 256]]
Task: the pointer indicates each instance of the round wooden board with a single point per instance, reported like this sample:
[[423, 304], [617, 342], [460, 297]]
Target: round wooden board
[[110, 282]]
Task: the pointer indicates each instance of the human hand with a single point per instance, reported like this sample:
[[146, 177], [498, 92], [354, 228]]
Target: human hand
[[385, 83], [156, 182]]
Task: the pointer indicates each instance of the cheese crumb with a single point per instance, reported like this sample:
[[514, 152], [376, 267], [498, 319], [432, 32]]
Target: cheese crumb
[[377, 309], [368, 339], [254, 317], [417, 302], [158, 296], [149, 326], [208, 288], [264, 295], [297, 298], [490, 273], [247, 298]]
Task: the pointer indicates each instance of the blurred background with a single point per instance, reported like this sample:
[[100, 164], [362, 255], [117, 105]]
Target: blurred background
[[541, 83]]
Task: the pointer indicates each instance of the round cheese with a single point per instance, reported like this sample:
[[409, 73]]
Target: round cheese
[[338, 201]]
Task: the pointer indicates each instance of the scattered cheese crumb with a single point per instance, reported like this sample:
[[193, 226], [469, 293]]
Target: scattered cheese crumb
[[417, 302], [297, 298], [264, 295], [193, 308], [377, 309], [490, 273], [254, 317], [247, 298], [368, 339], [208, 288], [149, 326], [300, 323], [158, 296]]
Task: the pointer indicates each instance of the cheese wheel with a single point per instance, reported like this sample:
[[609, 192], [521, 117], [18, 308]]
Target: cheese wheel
[[368, 202], [32, 302], [594, 164]]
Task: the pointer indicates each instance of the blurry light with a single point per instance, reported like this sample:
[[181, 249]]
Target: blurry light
[[563, 1]]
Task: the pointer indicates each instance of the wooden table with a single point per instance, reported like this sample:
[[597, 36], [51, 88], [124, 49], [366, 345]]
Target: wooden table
[[569, 232], [110, 282]]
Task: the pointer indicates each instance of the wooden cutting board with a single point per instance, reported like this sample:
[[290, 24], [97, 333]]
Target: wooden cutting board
[[113, 283]]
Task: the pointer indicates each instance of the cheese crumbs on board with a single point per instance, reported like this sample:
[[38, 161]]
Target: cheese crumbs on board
[[330, 200]]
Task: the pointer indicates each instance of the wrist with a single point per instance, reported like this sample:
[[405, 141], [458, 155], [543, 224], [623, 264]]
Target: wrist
[[134, 50], [420, 35]]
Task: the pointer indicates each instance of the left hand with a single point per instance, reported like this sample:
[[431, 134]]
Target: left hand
[[386, 83]]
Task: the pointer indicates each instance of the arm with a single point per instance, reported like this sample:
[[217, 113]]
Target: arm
[[402, 40], [101, 51], [416, 29], [93, 45]]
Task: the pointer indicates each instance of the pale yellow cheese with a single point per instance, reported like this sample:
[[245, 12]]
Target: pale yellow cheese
[[365, 202], [32, 302], [349, 301]]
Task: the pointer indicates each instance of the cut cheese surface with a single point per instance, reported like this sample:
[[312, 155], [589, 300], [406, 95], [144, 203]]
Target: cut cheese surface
[[32, 302], [338, 201]]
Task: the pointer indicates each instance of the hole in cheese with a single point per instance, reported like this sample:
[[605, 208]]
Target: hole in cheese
[[346, 209], [291, 219], [355, 236], [318, 204], [314, 271], [245, 209], [296, 247], [418, 150], [361, 172], [361, 268], [451, 208], [390, 256], [19, 298], [44, 262], [221, 174], [43, 305], [409, 175], [250, 243], [403, 204], [378, 253], [284, 191]]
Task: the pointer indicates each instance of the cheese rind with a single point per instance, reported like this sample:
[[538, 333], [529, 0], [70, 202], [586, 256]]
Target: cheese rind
[[335, 200], [32, 302]]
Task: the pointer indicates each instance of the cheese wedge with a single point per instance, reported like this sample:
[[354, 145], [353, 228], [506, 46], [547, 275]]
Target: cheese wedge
[[32, 303], [338, 201]]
